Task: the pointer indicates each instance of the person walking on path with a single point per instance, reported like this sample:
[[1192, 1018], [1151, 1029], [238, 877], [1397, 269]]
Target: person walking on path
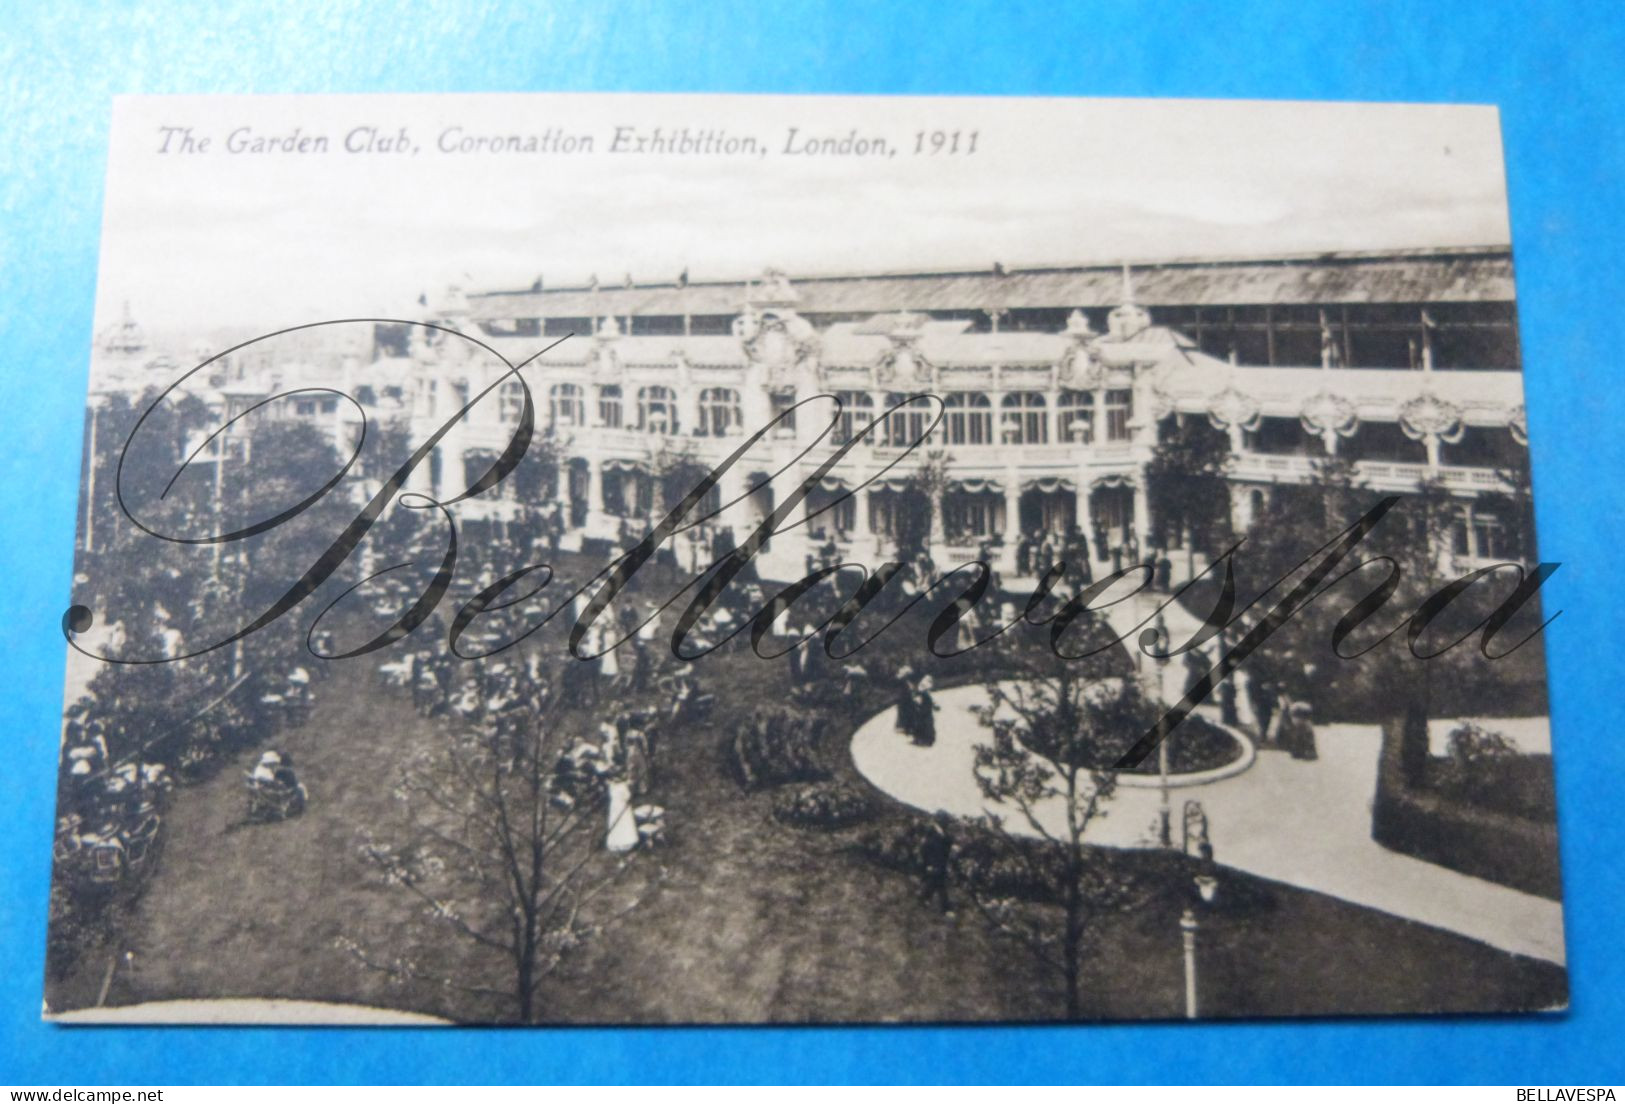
[[936, 853]]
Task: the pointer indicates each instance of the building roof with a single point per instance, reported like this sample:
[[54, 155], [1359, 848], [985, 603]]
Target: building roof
[[1470, 274]]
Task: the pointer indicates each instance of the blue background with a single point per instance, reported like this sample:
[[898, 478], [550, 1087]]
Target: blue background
[[1553, 68]]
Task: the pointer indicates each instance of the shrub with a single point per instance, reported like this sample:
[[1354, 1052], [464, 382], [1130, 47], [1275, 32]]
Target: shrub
[[773, 747], [1196, 745], [1485, 769], [827, 805]]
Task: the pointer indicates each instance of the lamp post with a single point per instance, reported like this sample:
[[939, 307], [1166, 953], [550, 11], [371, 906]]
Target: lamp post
[[1166, 814], [1187, 931]]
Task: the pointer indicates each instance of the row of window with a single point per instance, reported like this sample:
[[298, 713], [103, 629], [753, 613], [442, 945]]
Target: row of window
[[1477, 447], [720, 409], [1477, 335], [968, 418]]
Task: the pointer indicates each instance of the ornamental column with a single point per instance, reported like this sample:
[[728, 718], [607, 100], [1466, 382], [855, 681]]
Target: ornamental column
[[1241, 507], [1012, 521], [561, 486], [1086, 518], [863, 538], [1142, 515], [595, 496]]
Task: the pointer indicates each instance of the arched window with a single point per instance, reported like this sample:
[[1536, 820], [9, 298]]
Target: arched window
[[510, 402], [967, 419], [609, 406], [565, 406], [857, 410], [657, 410], [1024, 422], [719, 412], [1119, 412], [906, 425], [1075, 417]]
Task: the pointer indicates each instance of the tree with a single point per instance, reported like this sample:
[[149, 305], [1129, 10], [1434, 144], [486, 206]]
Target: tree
[[918, 522], [1055, 733], [1188, 490], [501, 855], [1297, 660]]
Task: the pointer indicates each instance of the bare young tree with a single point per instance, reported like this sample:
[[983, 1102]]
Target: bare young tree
[[503, 850], [1055, 733]]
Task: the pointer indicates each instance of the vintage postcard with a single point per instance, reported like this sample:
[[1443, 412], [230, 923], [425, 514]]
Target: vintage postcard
[[726, 559]]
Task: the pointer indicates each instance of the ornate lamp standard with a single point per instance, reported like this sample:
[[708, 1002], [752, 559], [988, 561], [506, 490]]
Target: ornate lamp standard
[[1187, 932]]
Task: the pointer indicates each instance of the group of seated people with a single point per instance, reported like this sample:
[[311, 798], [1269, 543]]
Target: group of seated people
[[109, 814], [273, 786]]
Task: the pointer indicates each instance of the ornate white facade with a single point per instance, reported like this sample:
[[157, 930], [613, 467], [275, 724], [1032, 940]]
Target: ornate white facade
[[1043, 429], [1040, 430]]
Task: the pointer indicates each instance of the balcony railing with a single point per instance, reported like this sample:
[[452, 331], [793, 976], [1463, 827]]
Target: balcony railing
[[1382, 474]]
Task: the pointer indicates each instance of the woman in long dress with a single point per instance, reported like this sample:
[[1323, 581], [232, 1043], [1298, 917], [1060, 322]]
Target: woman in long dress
[[622, 832], [609, 666], [925, 709]]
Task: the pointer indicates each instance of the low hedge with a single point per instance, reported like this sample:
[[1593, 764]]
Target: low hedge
[[1410, 818]]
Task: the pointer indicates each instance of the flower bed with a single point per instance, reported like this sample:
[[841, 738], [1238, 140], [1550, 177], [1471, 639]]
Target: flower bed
[[827, 805]]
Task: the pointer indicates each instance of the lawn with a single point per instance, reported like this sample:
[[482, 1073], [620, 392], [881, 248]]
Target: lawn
[[741, 918]]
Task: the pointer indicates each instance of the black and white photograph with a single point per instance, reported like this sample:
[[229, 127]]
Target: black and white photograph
[[690, 559]]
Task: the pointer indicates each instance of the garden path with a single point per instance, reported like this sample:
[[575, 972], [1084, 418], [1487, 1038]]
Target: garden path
[[1305, 823]]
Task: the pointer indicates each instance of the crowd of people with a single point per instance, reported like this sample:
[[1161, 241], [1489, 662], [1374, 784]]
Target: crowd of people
[[1039, 550]]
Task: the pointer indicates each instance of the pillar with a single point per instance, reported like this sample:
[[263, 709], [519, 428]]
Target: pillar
[[1086, 519], [595, 495], [863, 538], [561, 486], [1241, 507], [736, 517], [1142, 515], [1012, 520]]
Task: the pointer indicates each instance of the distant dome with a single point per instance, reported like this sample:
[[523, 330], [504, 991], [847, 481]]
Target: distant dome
[[123, 338]]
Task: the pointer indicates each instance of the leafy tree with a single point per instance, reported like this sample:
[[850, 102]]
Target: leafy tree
[[916, 519], [287, 461], [1055, 733], [1414, 537], [1187, 487], [501, 857]]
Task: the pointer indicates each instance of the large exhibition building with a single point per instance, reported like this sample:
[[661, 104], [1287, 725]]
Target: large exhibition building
[[1053, 385]]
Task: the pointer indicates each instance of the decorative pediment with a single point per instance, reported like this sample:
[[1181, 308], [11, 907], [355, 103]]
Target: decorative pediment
[[1080, 368], [902, 358], [1233, 408], [779, 340], [1427, 416], [1325, 412]]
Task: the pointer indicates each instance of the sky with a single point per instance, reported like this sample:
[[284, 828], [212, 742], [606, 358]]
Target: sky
[[200, 240]]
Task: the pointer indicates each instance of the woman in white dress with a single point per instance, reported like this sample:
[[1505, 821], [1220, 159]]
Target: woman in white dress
[[622, 832]]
